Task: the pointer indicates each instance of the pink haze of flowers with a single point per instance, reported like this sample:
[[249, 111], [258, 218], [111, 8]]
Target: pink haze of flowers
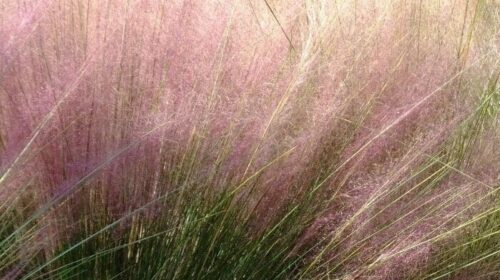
[[98, 95]]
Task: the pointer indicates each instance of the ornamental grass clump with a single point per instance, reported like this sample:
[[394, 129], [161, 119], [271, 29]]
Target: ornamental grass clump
[[252, 139]]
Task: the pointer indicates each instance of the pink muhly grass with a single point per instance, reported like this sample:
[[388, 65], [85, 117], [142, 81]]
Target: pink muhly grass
[[105, 106]]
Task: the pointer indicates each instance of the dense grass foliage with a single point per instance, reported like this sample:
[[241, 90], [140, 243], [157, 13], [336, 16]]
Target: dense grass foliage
[[307, 139]]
